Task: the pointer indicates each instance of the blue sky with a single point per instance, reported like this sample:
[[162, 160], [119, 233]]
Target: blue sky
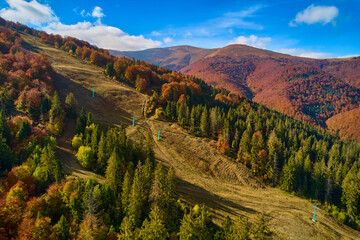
[[319, 29]]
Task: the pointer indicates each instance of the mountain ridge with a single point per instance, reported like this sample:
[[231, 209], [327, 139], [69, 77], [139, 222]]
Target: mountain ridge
[[313, 90]]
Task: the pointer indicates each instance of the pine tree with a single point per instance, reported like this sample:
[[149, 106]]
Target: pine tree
[[126, 192], [204, 123], [137, 198], [126, 229], [261, 229], [155, 228], [81, 122], [63, 229], [30, 110], [240, 230], [113, 173], [70, 105], [102, 155], [214, 121], [89, 119], [4, 129], [55, 107], [24, 131], [22, 103]]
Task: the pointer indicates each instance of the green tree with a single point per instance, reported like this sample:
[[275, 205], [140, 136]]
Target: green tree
[[24, 131], [126, 229], [81, 122], [113, 173], [126, 192], [137, 198], [70, 105], [109, 69], [4, 128], [155, 228], [62, 229], [204, 123], [85, 156], [261, 229], [55, 107], [102, 154], [239, 229]]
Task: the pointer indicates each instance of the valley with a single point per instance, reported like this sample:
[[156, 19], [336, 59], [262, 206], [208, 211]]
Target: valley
[[204, 175]]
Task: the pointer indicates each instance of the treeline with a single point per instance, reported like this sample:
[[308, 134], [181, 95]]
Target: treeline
[[292, 155]]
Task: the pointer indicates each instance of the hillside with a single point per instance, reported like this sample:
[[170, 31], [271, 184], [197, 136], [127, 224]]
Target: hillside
[[174, 58], [309, 89], [218, 149], [346, 124], [204, 175]]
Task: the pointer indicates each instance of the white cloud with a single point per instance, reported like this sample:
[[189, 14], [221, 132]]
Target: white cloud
[[97, 12], [168, 40], [305, 53], [83, 13], [252, 40], [31, 12], [103, 36], [316, 14], [42, 16], [155, 33]]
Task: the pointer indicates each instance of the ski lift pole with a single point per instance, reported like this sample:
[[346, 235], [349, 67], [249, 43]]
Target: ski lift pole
[[316, 207], [133, 118], [159, 134]]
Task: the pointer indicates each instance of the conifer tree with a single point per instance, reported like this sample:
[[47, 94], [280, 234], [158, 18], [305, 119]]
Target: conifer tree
[[137, 196], [204, 123], [261, 229], [155, 228], [113, 173], [126, 192], [24, 131], [126, 229], [70, 105], [63, 229], [81, 122], [102, 155], [55, 107]]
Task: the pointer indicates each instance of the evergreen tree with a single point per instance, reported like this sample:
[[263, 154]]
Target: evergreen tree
[[70, 105], [137, 197], [30, 110], [4, 128], [155, 228], [24, 131], [126, 229], [126, 192], [81, 122], [113, 173], [63, 229], [240, 230], [55, 107], [102, 154], [204, 123], [261, 229]]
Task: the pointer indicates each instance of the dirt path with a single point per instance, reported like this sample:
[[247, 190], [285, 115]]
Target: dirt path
[[204, 175]]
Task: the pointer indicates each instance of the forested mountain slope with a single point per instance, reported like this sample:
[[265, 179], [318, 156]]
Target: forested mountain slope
[[208, 137], [308, 89]]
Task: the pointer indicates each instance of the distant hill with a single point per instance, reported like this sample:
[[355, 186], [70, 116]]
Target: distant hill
[[309, 89], [174, 58]]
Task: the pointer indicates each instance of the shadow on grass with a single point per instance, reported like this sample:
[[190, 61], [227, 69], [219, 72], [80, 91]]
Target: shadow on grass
[[193, 194], [30, 47], [103, 111]]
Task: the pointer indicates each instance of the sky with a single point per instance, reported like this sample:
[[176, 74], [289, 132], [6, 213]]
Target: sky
[[317, 29]]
